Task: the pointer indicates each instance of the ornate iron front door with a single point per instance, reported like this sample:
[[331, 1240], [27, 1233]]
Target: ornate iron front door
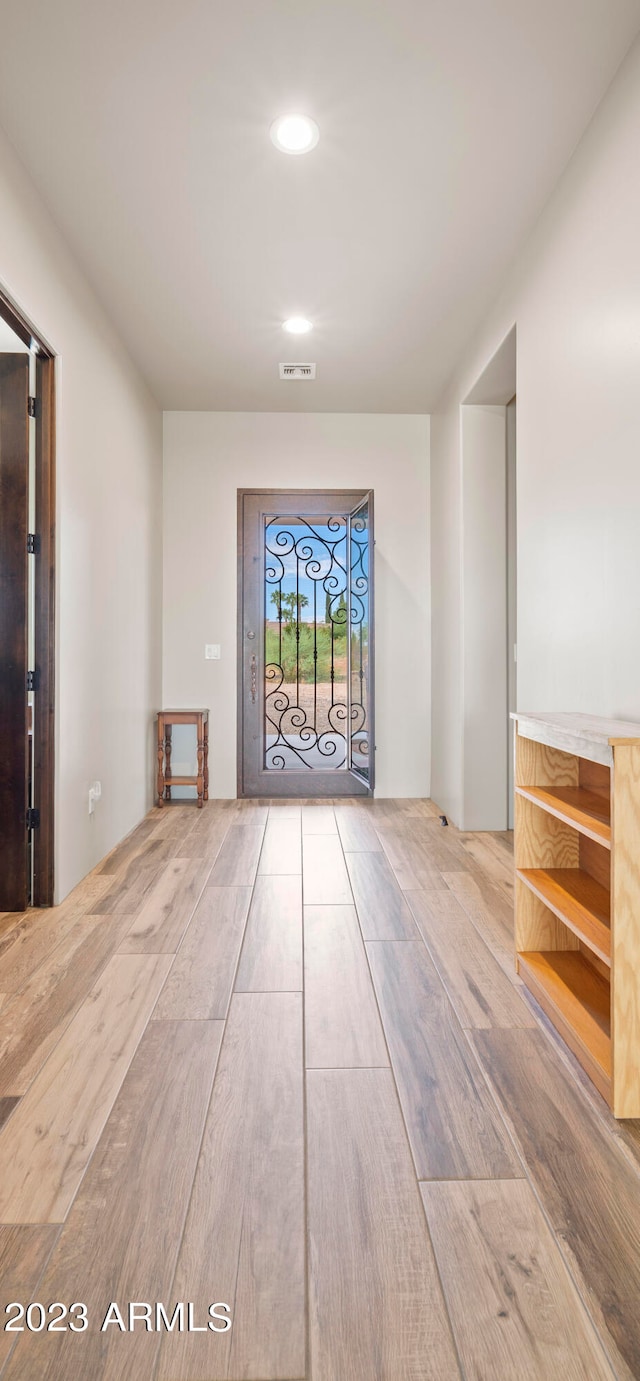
[[305, 683]]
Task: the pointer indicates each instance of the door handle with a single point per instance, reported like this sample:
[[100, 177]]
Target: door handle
[[254, 679]]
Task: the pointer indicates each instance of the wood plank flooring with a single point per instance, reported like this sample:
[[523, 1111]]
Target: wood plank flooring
[[274, 1055], [375, 1305], [513, 1309], [248, 1202], [114, 1245], [343, 1028], [272, 951]]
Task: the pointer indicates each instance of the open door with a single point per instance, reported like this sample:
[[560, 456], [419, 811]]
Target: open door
[[305, 643], [362, 759], [14, 730]]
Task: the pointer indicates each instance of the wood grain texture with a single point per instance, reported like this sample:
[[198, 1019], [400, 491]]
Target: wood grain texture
[[585, 1167], [128, 892], [248, 812], [375, 1304], [603, 969], [488, 910], [515, 1312], [577, 999], [488, 851], [588, 1187], [595, 859], [477, 986], [542, 841], [382, 909], [247, 1206], [282, 847], [585, 810], [594, 729], [342, 1025], [356, 829], [24, 1252], [115, 1245], [435, 845], [577, 899], [412, 864], [453, 1126], [47, 1144], [119, 858], [175, 822], [201, 977], [237, 862], [593, 777], [168, 908], [271, 959], [625, 1001], [34, 939], [325, 879], [538, 764], [536, 926], [206, 837], [9, 920], [36, 1017]]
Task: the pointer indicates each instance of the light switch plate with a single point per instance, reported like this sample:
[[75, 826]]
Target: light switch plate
[[212, 652]]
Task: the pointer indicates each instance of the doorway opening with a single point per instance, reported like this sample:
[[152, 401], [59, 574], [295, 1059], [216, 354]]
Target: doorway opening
[[512, 605], [305, 643], [489, 560], [27, 583]]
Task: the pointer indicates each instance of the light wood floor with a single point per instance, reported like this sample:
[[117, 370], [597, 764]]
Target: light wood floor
[[276, 1056]]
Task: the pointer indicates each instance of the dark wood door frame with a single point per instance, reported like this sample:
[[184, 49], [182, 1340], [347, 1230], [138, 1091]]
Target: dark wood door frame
[[45, 613], [318, 781], [44, 719], [14, 740]]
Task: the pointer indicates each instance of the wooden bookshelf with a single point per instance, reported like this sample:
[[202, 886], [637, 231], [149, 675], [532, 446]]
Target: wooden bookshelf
[[577, 806], [577, 921], [576, 899], [577, 1000]]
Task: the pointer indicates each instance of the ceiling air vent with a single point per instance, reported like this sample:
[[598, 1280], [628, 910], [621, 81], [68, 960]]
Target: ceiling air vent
[[297, 371]]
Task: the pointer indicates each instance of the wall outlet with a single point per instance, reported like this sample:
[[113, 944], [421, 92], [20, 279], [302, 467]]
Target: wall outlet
[[95, 792], [212, 652]]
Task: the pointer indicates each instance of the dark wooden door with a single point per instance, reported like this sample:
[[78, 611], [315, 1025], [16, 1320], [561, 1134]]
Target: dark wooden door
[[14, 515], [305, 663]]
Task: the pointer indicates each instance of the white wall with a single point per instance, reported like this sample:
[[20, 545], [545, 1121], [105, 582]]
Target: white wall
[[109, 524], [207, 458], [575, 297], [484, 617]]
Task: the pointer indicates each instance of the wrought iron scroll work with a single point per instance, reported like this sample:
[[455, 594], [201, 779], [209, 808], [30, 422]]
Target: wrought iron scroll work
[[313, 734], [359, 627]]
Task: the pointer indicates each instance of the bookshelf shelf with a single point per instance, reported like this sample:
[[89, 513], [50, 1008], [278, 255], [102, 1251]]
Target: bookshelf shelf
[[585, 810], [578, 901], [577, 1000]]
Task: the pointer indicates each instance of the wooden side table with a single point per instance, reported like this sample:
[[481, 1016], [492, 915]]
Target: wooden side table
[[166, 721]]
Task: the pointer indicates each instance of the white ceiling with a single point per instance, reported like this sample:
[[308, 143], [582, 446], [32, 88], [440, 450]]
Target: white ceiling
[[444, 126]]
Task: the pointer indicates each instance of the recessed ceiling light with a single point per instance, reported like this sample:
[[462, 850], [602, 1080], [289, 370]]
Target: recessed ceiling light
[[294, 133], [297, 325]]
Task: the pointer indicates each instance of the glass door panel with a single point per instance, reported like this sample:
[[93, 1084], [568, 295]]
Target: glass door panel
[[360, 629], [304, 653], [305, 642]]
